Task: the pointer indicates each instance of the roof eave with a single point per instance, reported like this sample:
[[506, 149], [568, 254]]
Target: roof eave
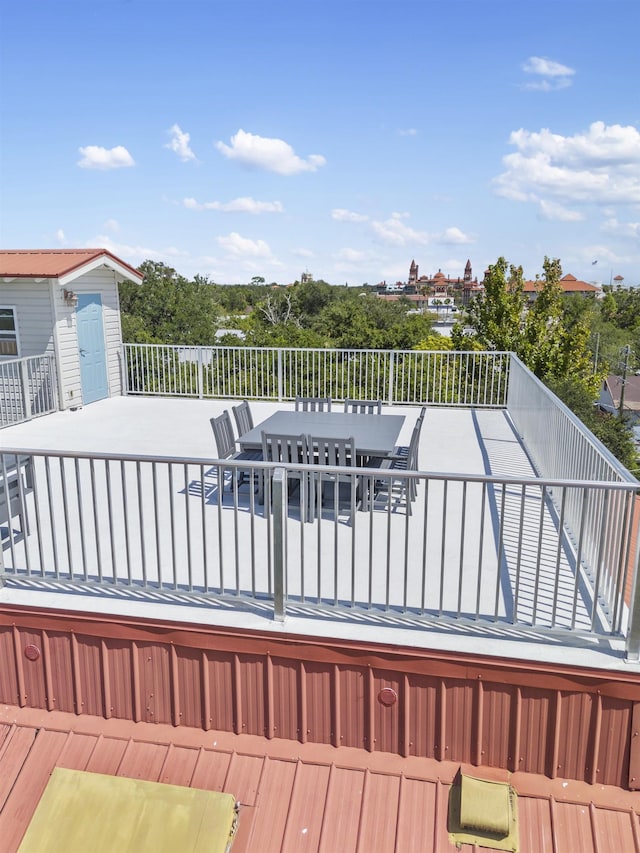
[[122, 270]]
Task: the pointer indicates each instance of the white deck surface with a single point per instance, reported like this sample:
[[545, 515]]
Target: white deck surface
[[453, 441]]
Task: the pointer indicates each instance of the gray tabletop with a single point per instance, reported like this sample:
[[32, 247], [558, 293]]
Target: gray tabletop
[[374, 435]]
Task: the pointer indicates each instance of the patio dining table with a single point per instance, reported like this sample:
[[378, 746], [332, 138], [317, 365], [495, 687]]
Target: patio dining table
[[374, 435]]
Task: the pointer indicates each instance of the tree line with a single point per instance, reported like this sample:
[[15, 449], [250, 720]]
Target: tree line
[[569, 342]]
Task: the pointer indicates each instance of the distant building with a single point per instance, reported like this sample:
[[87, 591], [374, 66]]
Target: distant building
[[306, 277], [461, 288], [569, 284], [611, 392]]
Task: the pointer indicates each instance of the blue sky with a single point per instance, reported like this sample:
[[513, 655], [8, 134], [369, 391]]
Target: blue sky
[[244, 138]]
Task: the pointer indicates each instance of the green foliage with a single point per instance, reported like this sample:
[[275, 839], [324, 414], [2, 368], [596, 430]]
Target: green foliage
[[434, 341], [616, 325], [496, 315], [168, 308], [613, 432], [552, 347], [544, 338], [315, 314]]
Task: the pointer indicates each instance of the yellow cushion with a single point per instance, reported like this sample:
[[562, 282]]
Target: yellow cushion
[[80, 812], [485, 805]]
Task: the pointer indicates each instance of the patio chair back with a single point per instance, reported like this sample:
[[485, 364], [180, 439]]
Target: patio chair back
[[226, 448], [363, 407], [13, 486], [243, 416], [285, 448], [295, 450], [330, 488], [313, 404], [223, 434], [332, 451]]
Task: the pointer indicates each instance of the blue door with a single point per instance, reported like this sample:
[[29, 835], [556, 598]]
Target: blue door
[[93, 362]]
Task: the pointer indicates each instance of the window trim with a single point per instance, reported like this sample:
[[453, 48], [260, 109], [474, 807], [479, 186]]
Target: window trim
[[8, 336]]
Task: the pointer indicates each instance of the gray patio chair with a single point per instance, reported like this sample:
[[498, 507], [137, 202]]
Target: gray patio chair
[[335, 452], [403, 449], [243, 416], [363, 407], [396, 491], [16, 480], [313, 404], [226, 449], [290, 449]]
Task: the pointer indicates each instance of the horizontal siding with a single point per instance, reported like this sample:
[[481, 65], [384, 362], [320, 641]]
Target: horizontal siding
[[563, 723], [32, 302], [103, 282], [69, 364]]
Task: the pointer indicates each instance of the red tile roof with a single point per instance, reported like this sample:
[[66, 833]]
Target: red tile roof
[[298, 796], [631, 390], [53, 263], [569, 284]]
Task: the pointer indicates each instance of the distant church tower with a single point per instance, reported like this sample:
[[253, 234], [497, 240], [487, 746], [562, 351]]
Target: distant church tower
[[467, 272], [413, 273]]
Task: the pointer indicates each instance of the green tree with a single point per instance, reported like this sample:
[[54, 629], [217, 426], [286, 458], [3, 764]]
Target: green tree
[[612, 431], [496, 315], [538, 333], [168, 308], [551, 347]]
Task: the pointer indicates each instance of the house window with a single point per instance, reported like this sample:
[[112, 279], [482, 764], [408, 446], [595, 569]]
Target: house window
[[8, 332]]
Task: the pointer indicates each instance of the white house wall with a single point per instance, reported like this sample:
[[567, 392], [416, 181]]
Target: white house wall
[[101, 281], [34, 312]]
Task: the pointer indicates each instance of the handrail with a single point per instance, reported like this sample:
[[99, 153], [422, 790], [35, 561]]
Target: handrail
[[471, 548], [448, 378], [28, 388]]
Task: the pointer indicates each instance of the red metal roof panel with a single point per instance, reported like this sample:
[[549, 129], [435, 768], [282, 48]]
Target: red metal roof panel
[[296, 797], [52, 263], [379, 815], [344, 801], [306, 811], [276, 786], [417, 797], [211, 769]]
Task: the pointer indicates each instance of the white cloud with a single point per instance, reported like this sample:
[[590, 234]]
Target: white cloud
[[273, 155], [410, 131], [134, 255], [453, 236], [621, 229], [586, 255], [547, 67], [237, 245], [394, 232], [97, 157], [179, 143], [112, 225], [558, 213], [237, 205], [60, 236], [342, 215], [600, 166], [303, 253], [551, 75], [351, 256]]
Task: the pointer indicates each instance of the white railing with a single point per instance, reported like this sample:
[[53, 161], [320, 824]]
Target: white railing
[[407, 376], [583, 493], [473, 548], [28, 388], [560, 446]]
